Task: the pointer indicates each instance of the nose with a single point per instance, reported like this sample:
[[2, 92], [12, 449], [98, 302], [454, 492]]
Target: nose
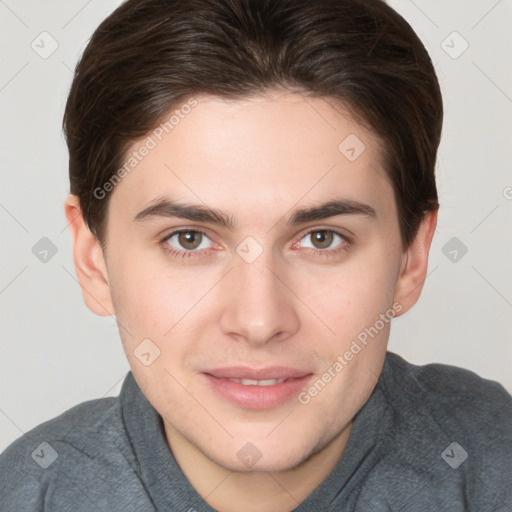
[[258, 307]]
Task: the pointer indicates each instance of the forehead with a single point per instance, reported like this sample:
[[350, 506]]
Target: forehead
[[276, 149]]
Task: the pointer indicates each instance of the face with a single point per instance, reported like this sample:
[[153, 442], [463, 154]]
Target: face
[[250, 251]]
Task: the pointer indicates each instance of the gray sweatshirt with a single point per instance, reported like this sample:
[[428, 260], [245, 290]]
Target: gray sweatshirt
[[431, 438]]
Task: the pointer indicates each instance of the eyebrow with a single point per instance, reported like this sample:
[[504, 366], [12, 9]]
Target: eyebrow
[[332, 209], [166, 207]]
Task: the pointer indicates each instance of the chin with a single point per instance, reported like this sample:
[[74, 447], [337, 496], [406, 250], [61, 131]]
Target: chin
[[264, 465], [259, 457]]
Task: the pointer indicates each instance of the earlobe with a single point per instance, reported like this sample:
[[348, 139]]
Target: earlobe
[[90, 264], [414, 266]]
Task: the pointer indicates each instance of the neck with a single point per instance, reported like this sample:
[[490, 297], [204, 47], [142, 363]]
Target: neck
[[280, 491]]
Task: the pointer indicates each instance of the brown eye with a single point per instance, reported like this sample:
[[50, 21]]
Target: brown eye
[[190, 239], [322, 239]]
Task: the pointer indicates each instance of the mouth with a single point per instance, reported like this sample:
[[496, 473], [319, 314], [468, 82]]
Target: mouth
[[251, 382], [257, 388]]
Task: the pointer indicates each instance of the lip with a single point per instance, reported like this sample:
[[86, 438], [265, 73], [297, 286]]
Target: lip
[[257, 396], [270, 372]]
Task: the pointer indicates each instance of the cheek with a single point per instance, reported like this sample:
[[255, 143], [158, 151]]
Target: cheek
[[351, 296], [151, 314], [151, 302], [145, 304]]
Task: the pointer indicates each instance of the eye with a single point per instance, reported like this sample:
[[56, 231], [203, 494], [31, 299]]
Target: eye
[[188, 240], [323, 239]]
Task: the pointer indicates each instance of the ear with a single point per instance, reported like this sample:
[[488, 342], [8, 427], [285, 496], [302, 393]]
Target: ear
[[90, 266], [413, 270]]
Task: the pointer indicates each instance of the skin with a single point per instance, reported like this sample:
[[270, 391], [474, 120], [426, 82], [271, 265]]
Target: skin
[[257, 160]]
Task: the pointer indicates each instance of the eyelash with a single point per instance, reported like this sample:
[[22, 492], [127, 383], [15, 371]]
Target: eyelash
[[183, 253], [344, 245]]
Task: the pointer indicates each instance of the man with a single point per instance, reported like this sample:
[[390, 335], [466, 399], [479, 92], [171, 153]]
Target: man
[[253, 198]]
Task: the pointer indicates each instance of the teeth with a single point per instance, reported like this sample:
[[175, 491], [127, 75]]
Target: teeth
[[251, 382]]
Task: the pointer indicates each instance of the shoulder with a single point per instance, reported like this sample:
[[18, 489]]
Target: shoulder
[[36, 465], [80, 425], [449, 394], [452, 431]]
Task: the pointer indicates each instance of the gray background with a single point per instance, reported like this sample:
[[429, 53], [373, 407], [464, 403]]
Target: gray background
[[54, 353]]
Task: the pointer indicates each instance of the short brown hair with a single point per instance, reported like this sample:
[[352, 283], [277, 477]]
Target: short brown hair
[[149, 55]]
